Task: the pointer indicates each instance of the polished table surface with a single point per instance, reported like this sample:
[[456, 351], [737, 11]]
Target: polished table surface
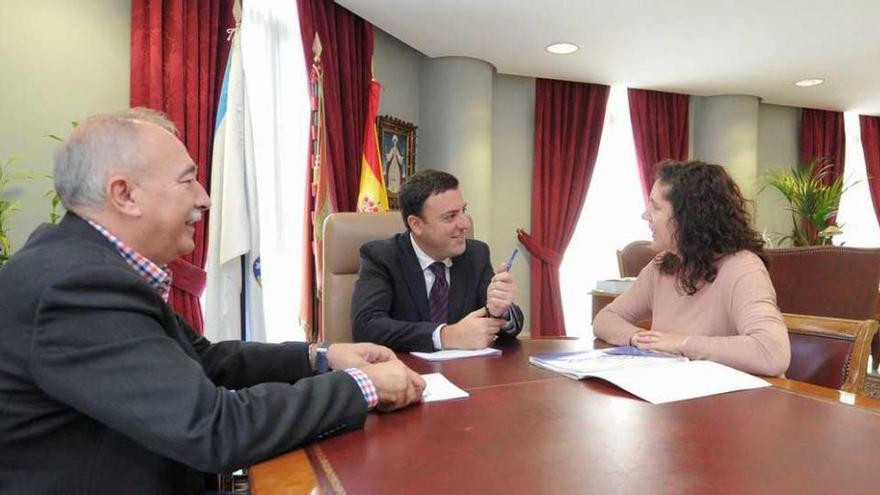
[[527, 430]]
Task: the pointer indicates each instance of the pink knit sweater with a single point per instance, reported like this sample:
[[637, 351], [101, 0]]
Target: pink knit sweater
[[733, 320]]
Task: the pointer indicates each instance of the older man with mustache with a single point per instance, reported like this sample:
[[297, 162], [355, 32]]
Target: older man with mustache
[[103, 388]]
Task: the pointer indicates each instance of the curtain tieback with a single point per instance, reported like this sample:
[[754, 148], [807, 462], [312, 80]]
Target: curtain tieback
[[543, 253], [188, 277]]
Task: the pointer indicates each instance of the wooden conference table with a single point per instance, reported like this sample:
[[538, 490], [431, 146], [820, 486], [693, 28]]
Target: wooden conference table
[[527, 430]]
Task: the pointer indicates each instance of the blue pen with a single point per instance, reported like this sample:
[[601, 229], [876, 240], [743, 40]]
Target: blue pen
[[512, 257]]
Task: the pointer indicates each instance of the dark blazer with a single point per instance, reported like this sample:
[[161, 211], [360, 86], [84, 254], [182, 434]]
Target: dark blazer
[[104, 389], [389, 305]]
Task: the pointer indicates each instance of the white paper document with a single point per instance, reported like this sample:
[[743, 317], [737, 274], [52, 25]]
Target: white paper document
[[456, 354], [654, 377], [440, 388], [680, 381]]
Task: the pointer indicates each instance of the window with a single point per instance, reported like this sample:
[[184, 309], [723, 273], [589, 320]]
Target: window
[[610, 219], [856, 214]]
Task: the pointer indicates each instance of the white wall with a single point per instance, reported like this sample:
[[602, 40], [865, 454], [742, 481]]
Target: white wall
[[750, 139], [726, 132], [62, 61], [778, 149], [456, 106], [396, 67], [513, 128]]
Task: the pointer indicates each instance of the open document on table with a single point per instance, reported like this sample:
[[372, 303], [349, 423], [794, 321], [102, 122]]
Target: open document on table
[[653, 376]]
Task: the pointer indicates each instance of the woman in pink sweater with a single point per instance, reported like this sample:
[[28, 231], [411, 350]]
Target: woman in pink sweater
[[707, 293]]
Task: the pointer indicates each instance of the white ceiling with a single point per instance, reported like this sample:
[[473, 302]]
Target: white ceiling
[[701, 47]]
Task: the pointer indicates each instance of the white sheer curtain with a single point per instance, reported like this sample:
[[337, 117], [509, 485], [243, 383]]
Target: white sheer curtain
[[856, 213], [610, 219], [277, 97]]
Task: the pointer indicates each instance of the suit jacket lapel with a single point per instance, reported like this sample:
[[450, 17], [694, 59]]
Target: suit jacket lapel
[[458, 287], [80, 228], [412, 273]]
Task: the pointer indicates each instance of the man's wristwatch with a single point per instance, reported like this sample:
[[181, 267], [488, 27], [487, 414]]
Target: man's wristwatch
[[322, 364]]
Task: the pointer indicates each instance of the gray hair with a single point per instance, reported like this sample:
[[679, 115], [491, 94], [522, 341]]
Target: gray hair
[[102, 145]]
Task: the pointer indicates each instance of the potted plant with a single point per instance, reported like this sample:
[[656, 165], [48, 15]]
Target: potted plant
[[812, 203]]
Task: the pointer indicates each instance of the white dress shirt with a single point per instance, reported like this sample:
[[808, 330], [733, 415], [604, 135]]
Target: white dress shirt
[[425, 261]]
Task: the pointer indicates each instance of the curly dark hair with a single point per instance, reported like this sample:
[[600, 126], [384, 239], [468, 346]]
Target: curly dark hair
[[712, 220]]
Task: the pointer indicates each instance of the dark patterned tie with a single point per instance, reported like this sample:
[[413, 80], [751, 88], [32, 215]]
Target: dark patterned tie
[[439, 298]]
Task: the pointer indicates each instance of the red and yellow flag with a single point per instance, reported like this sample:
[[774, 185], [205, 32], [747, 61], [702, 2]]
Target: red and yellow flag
[[372, 196]]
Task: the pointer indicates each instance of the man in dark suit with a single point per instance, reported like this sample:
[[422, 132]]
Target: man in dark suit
[[410, 287], [103, 388]]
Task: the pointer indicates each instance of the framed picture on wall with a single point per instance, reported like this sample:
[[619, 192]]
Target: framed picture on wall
[[397, 148]]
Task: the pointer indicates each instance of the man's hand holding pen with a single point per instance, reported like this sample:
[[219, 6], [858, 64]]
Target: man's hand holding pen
[[478, 329], [502, 289]]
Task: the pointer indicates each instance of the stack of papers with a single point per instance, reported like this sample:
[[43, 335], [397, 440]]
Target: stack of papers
[[615, 285], [438, 387], [652, 376], [456, 354]]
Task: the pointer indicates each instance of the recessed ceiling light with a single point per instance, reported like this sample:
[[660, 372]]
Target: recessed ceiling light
[[562, 48], [806, 83]]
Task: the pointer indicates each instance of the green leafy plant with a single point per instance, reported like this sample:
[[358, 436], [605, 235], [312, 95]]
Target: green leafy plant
[[812, 203], [55, 200], [51, 193], [8, 175]]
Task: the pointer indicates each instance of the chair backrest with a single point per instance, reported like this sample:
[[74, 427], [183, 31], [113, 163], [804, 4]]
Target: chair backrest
[[344, 234], [839, 282], [831, 352], [634, 256]]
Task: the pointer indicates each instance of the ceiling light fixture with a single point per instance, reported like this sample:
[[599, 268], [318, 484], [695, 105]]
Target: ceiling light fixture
[[806, 83], [562, 48]]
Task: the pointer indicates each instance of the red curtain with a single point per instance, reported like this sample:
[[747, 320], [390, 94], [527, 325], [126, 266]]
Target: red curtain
[[178, 54], [822, 136], [568, 127], [871, 146], [347, 58], [660, 130]]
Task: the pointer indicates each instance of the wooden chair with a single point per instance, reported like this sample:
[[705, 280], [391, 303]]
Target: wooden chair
[[634, 256], [831, 352], [834, 281]]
